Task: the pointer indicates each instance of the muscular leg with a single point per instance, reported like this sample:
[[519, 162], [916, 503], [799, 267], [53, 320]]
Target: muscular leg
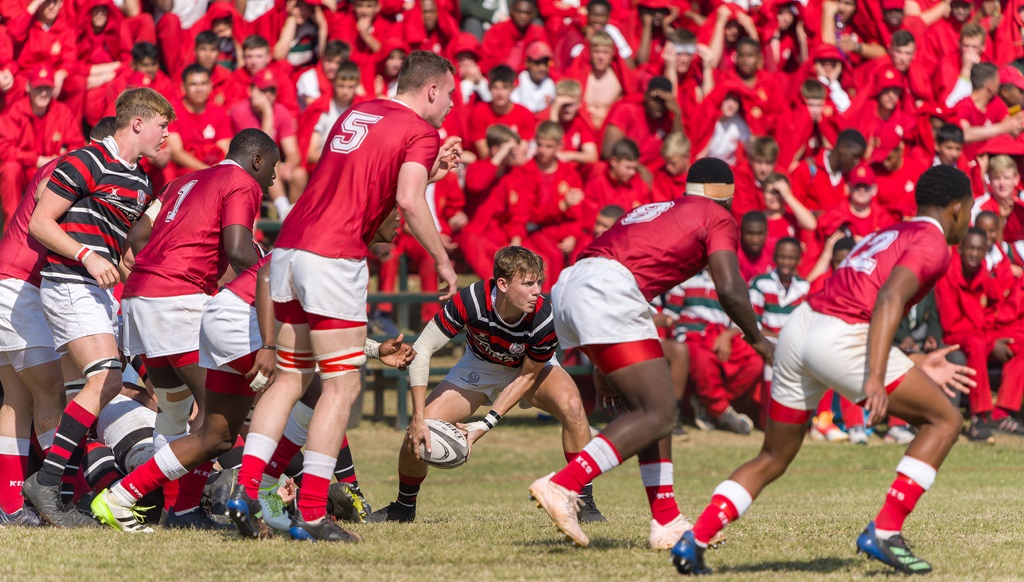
[[15, 435], [646, 389], [47, 386], [555, 393]]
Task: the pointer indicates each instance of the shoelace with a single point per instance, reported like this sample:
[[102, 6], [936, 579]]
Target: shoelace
[[139, 513]]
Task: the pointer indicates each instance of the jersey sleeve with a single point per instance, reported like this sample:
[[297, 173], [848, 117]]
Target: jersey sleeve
[[543, 340], [241, 206], [452, 317], [71, 179], [422, 147], [927, 257], [721, 232]]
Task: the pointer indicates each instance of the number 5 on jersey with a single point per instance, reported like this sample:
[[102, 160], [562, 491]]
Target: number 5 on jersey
[[354, 129]]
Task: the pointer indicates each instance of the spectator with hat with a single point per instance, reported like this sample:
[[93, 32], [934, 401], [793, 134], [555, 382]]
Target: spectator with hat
[[535, 89], [895, 172], [33, 132], [861, 215]]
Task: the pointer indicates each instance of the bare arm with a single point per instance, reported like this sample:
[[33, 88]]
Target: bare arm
[[266, 359], [899, 289], [804, 218], [430, 340], [284, 42], [180, 156], [412, 183], [44, 227], [238, 247], [734, 296], [612, 136]]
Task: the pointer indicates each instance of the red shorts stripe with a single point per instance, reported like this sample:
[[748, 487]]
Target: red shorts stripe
[[173, 360], [781, 413], [888, 388], [611, 357], [223, 382], [290, 312], [319, 322], [244, 364]]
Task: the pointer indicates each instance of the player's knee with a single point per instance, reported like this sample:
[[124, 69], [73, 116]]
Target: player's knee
[[342, 362], [175, 410], [216, 438]]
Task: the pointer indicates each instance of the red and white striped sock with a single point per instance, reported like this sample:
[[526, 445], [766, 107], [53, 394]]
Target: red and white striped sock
[[913, 478], [657, 478], [317, 469], [599, 456], [163, 468], [728, 503], [257, 453]]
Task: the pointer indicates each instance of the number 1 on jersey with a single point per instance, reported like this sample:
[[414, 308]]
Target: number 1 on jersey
[[354, 128], [182, 193]]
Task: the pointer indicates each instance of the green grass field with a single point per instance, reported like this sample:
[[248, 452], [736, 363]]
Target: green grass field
[[475, 523]]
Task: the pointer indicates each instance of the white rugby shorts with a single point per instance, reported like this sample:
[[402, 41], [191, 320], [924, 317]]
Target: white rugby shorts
[[229, 331], [162, 326], [597, 301], [817, 352], [476, 375], [25, 339], [334, 288], [77, 310]]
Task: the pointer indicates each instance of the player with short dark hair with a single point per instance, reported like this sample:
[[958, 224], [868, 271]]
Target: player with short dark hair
[[379, 153], [842, 338], [202, 228], [649, 251], [510, 358], [92, 198]]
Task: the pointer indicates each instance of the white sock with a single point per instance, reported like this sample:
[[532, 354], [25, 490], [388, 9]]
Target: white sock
[[283, 206]]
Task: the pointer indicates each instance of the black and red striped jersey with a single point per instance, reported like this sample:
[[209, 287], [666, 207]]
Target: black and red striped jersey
[[492, 339], [107, 196]]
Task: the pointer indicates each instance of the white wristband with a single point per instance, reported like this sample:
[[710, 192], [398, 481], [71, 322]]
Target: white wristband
[[372, 349]]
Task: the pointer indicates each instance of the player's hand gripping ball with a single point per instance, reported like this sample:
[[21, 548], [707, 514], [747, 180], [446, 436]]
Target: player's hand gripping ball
[[448, 445]]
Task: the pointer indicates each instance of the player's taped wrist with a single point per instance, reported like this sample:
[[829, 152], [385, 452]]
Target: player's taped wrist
[[372, 349], [489, 421]]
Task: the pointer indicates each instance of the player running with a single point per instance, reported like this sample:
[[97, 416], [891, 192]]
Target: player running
[[378, 153], [601, 306], [512, 343], [83, 218], [204, 226], [842, 337]]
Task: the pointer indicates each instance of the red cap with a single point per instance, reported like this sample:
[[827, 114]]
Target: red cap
[[466, 42], [264, 80], [888, 78], [1011, 75], [656, 4], [314, 2], [862, 175], [538, 50], [893, 4], [41, 76], [885, 140], [827, 52]]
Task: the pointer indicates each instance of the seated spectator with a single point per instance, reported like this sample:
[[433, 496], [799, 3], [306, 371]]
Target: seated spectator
[[753, 166], [472, 81], [836, 248], [786, 46], [318, 119], [812, 124], [1002, 256], [579, 145], [942, 37], [384, 83], [721, 33], [754, 256], [656, 25], [861, 215], [228, 26], [1011, 87], [535, 90], [498, 222], [43, 36], [962, 296], [573, 40], [143, 71], [428, 28], [1003, 188], [723, 367], [206, 57], [982, 115], [33, 132], [552, 194], [883, 110], [104, 46], [256, 58], [819, 183], [605, 219], [319, 80], [615, 182], [603, 75], [504, 152], [828, 68], [364, 28], [690, 83], [949, 146], [505, 43], [785, 215], [501, 110], [262, 111], [730, 131], [303, 35], [952, 79], [200, 135], [669, 180], [896, 174], [646, 121], [841, 26], [764, 107]]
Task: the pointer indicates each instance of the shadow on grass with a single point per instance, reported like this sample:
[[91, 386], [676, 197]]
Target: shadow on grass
[[600, 544], [819, 565]]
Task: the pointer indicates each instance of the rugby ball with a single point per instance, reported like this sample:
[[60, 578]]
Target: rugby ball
[[448, 446]]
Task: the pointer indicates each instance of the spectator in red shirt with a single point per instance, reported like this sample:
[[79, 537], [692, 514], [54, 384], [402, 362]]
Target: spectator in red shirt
[[104, 46], [206, 57], [384, 83], [812, 125], [144, 71], [953, 75], [765, 105], [501, 110], [834, 251], [883, 108], [579, 144], [785, 215], [861, 215], [691, 78], [42, 36], [428, 28], [669, 180], [256, 57], [1003, 188], [615, 182], [319, 80], [896, 173], [606, 218], [819, 183], [941, 38], [753, 166], [505, 43], [200, 135], [363, 28], [318, 119], [646, 120], [755, 257], [33, 132], [982, 115], [262, 111], [504, 152]]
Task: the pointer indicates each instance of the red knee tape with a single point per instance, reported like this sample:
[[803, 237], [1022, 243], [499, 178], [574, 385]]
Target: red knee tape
[[158, 362], [611, 357], [290, 312], [336, 364], [223, 382], [319, 322], [781, 413], [301, 362], [182, 360]]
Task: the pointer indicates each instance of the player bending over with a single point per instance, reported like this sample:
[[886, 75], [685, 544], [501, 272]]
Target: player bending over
[[843, 337], [512, 343], [601, 305]]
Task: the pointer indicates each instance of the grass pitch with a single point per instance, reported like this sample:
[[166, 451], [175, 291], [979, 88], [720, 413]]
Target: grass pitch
[[475, 523]]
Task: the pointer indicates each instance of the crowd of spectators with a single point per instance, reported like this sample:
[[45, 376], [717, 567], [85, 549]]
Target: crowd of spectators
[[574, 112]]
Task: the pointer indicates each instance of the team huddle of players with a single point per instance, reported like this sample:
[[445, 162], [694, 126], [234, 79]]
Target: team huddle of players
[[288, 331]]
